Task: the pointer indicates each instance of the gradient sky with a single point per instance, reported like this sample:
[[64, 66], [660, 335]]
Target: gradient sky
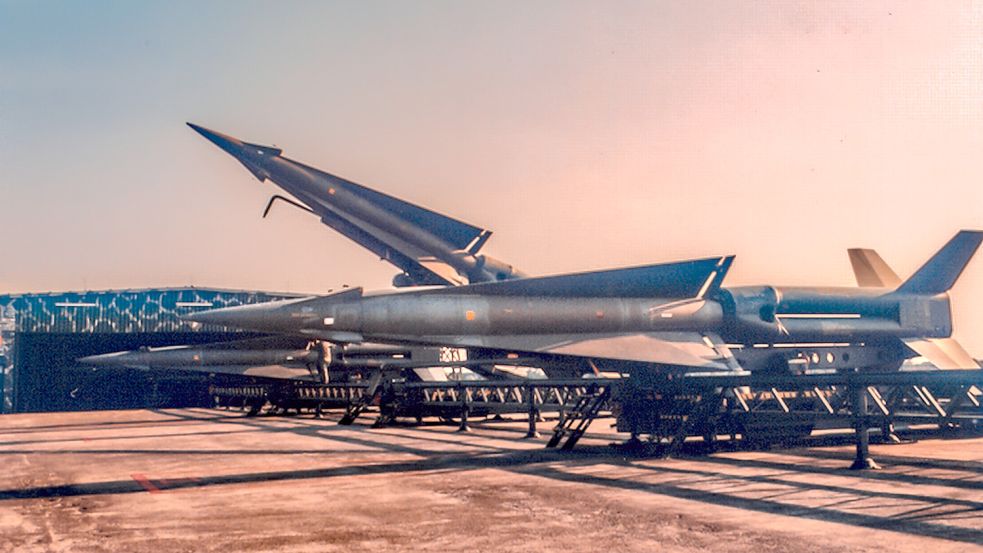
[[586, 135]]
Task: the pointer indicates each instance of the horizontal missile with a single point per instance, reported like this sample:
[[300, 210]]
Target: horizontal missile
[[672, 314], [185, 356]]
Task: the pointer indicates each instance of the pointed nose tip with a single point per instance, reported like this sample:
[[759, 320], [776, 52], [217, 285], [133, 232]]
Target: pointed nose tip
[[230, 144], [209, 134]]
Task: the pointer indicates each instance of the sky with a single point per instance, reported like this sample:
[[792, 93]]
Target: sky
[[586, 135]]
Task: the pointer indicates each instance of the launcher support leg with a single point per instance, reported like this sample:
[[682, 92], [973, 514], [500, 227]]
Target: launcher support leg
[[464, 420], [532, 433], [862, 461], [533, 415], [465, 407]]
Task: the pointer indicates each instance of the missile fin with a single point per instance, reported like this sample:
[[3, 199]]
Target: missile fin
[[686, 279], [944, 353], [940, 272], [871, 270]]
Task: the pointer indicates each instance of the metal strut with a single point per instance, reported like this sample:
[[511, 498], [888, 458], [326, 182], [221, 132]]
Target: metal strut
[[862, 461], [294, 203]]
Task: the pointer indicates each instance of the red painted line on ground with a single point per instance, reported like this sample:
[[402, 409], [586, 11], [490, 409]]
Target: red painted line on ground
[[145, 483], [172, 482]]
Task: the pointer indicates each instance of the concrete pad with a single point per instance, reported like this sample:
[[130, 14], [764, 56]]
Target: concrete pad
[[206, 480]]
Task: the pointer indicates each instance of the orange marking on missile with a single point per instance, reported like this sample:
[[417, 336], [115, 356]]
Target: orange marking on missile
[[331, 191], [469, 315]]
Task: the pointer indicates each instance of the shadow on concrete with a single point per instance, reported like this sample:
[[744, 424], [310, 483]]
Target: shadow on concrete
[[900, 477], [142, 423], [764, 505], [920, 462], [446, 463], [918, 514]]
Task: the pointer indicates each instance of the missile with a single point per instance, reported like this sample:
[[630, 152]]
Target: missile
[[270, 357], [552, 315], [674, 314], [316, 361], [189, 356], [430, 247]]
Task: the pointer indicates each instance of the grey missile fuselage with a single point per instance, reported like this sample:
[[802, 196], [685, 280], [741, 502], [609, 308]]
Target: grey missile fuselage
[[264, 358], [409, 314], [743, 316], [331, 198], [201, 357], [675, 313]]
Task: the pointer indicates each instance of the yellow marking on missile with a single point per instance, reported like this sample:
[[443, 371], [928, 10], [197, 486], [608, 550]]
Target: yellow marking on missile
[[469, 315]]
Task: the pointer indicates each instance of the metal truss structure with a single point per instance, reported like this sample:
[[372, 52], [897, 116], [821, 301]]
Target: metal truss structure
[[666, 408]]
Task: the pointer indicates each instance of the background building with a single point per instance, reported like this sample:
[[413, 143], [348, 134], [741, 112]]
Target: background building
[[41, 336]]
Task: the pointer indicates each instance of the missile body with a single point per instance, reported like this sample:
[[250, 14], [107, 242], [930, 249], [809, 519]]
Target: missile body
[[185, 356], [691, 325], [336, 200], [744, 318]]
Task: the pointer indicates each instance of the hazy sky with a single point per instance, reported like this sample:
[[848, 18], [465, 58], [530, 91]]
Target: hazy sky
[[586, 135]]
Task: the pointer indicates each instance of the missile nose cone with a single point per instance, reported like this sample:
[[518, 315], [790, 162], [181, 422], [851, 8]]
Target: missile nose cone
[[222, 317], [103, 360], [254, 157], [201, 130], [258, 316], [231, 145]]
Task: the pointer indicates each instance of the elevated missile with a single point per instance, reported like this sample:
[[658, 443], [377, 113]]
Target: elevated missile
[[431, 248]]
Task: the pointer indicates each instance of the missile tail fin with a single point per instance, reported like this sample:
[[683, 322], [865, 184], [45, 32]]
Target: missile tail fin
[[871, 270], [940, 272], [944, 353]]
